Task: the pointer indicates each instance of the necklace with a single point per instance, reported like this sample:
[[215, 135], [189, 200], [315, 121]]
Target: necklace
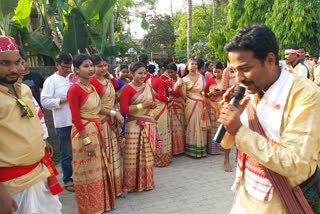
[[86, 87]]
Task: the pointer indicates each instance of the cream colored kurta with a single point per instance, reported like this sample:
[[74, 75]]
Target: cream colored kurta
[[21, 141], [296, 157]]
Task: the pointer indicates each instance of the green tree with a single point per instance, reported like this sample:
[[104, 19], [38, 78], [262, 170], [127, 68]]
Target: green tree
[[201, 26], [160, 35], [239, 13], [296, 22]]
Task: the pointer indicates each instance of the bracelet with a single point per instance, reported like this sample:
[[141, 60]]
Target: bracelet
[[110, 76], [117, 110], [113, 113], [140, 107], [86, 141]]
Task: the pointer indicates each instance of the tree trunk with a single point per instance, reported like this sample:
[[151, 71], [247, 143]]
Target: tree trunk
[[111, 36], [189, 36], [213, 15]]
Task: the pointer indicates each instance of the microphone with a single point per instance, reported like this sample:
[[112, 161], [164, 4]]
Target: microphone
[[237, 96]]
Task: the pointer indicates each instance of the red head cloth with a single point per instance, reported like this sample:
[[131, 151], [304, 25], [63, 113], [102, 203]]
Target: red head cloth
[[8, 43]]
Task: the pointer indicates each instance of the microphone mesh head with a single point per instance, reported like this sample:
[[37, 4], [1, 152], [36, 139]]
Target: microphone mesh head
[[239, 92]]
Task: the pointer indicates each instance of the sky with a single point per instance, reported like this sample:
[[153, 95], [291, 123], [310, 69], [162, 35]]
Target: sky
[[163, 7]]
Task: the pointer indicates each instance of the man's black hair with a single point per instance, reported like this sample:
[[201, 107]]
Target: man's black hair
[[22, 54], [218, 65], [256, 38], [200, 63], [144, 59], [292, 46], [301, 47], [64, 57]]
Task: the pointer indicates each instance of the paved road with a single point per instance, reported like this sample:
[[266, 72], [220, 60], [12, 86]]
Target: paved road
[[187, 186]]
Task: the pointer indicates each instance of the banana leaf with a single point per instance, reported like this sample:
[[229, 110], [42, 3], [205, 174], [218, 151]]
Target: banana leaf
[[40, 43], [76, 37]]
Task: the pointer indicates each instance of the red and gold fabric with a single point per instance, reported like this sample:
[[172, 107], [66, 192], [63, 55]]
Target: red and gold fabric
[[177, 120], [92, 177], [163, 155], [197, 117], [108, 96], [141, 138], [214, 112]]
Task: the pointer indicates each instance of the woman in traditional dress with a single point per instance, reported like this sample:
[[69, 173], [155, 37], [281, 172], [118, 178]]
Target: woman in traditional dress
[[209, 73], [93, 182], [106, 90], [213, 91], [163, 156], [176, 111], [141, 132], [196, 112]]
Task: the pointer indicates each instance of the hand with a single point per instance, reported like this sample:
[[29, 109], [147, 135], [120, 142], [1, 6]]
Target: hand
[[7, 204], [48, 148], [230, 116], [90, 149], [148, 103], [119, 118], [63, 100], [227, 96]]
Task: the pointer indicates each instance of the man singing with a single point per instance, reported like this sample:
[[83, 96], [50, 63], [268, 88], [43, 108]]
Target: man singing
[[275, 129]]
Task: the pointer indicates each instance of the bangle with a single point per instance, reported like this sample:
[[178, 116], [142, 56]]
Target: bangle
[[140, 107], [118, 110], [86, 141], [113, 113], [110, 76]]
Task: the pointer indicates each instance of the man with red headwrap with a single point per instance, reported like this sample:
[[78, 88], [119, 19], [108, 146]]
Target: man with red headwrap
[[27, 175]]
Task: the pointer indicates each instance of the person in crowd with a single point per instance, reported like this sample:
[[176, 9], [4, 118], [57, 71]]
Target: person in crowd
[[309, 63], [292, 58], [209, 73], [213, 91], [93, 182], [110, 123], [163, 156], [143, 58], [141, 132], [228, 80], [124, 79], [200, 63], [32, 79], [24, 135], [277, 159], [176, 111], [54, 97], [196, 112], [165, 64]]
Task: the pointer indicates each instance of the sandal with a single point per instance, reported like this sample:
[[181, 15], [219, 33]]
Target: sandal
[[69, 187]]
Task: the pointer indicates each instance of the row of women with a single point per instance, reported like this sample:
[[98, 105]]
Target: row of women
[[152, 117]]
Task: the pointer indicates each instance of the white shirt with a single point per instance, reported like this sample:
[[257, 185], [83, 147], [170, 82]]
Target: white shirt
[[56, 87], [303, 70]]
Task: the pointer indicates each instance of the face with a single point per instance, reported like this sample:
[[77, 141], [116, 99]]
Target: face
[[124, 73], [210, 67], [64, 69], [302, 54], [217, 72], [22, 69], [10, 65], [140, 75], [290, 58], [86, 69], [172, 73], [315, 59], [193, 66], [101, 69], [251, 72]]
